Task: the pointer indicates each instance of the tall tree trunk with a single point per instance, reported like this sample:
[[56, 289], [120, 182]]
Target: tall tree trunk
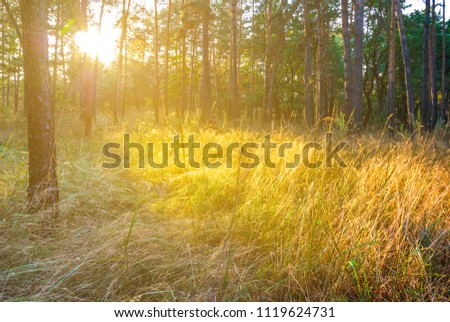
[[43, 181], [191, 103], [119, 81], [348, 61], [309, 112], [391, 73], [233, 83], [252, 66], [433, 69], [183, 96], [166, 61], [86, 89], [16, 89], [156, 65], [321, 54], [444, 63], [406, 62], [96, 63], [205, 88], [268, 84], [55, 61], [3, 62], [425, 97], [358, 78]]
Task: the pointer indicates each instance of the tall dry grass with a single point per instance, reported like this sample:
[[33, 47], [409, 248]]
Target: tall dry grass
[[377, 230]]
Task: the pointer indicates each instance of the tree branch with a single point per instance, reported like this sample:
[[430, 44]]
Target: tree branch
[[13, 20]]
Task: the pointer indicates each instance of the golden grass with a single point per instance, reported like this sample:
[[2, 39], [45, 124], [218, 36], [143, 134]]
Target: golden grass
[[377, 230]]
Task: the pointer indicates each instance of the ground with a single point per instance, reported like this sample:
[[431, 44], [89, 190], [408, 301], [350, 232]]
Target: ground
[[376, 230]]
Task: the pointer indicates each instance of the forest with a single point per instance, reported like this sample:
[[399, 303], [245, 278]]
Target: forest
[[148, 150]]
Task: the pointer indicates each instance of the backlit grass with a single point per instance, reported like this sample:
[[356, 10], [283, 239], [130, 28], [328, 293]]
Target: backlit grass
[[377, 230]]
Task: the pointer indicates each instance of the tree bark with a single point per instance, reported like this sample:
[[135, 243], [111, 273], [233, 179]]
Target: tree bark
[[183, 97], [233, 83], [268, 88], [119, 86], [86, 89], [348, 61], [307, 75], [205, 87], [166, 61], [391, 73], [96, 63], [43, 180], [444, 62], [433, 69], [252, 66], [358, 78], [156, 65], [425, 97]]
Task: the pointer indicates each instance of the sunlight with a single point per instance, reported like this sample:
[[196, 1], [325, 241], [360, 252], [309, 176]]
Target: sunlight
[[93, 44]]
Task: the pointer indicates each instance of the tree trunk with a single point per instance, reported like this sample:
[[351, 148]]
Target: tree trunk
[[43, 181], [156, 66], [358, 78], [268, 89], [321, 58], [433, 69], [309, 112], [86, 93], [391, 73], [233, 84], [166, 62], [183, 97], [55, 61], [425, 97], [348, 64], [191, 103], [119, 86], [205, 88], [100, 22], [252, 66], [406, 62], [444, 61]]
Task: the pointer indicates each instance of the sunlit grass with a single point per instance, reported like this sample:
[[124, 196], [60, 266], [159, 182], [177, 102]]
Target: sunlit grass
[[376, 230]]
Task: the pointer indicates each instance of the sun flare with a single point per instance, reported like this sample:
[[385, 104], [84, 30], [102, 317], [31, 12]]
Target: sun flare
[[102, 45]]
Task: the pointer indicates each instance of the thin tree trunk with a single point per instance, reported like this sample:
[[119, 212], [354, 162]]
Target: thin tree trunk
[[96, 63], [268, 88], [425, 97], [406, 62], [307, 75], [233, 86], [43, 181], [444, 61], [433, 69], [358, 78], [55, 61], [391, 73], [321, 52], [348, 65], [191, 103], [119, 86], [3, 63], [205, 88], [166, 61], [156, 66], [183, 97], [252, 65], [16, 90]]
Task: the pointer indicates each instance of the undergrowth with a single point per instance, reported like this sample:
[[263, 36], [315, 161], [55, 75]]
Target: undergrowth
[[377, 230]]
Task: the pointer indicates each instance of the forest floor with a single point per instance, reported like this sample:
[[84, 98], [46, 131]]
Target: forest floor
[[377, 230]]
